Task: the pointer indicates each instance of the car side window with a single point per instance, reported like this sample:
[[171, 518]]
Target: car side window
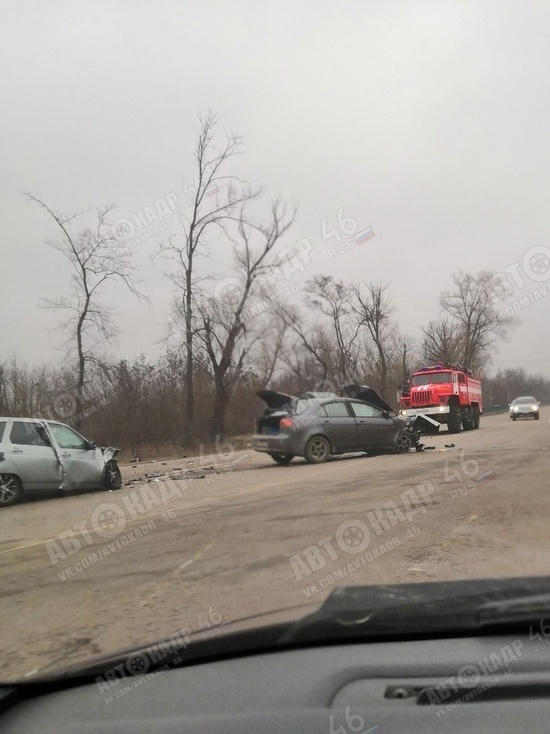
[[336, 410], [67, 438], [3, 425], [361, 410], [28, 434]]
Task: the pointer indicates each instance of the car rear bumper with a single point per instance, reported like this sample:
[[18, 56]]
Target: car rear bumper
[[280, 444]]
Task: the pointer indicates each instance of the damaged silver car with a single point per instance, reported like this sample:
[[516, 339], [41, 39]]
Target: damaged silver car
[[319, 425], [47, 455]]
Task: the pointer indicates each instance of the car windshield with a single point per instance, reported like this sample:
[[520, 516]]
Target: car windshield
[[431, 378], [225, 227]]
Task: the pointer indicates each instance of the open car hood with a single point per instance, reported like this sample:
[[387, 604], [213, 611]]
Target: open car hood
[[275, 400], [367, 395]]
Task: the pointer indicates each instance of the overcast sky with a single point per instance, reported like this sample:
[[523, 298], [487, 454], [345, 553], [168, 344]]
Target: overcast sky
[[427, 121]]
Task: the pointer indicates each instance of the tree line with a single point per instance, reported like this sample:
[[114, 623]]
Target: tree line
[[228, 336]]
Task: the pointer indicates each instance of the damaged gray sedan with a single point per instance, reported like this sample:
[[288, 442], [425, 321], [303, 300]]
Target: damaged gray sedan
[[47, 455], [319, 425]]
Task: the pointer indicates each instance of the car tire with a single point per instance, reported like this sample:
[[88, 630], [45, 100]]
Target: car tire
[[536, 416], [317, 450], [514, 417], [403, 443], [455, 422], [112, 478], [282, 459], [11, 490]]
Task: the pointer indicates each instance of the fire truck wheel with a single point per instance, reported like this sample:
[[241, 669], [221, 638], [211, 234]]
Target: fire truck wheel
[[476, 417], [467, 425], [455, 423]]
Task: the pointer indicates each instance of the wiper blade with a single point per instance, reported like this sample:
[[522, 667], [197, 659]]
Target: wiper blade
[[521, 609], [417, 609]]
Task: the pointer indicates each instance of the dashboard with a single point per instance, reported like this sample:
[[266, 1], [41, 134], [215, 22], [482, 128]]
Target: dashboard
[[469, 684]]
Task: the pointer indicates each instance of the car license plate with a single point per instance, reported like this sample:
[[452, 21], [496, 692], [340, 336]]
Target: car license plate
[[262, 444]]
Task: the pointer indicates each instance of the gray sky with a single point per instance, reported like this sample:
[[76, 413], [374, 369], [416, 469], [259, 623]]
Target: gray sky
[[427, 121]]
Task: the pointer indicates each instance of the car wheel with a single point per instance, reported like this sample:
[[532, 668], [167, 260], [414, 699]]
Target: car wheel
[[11, 490], [536, 416], [112, 478], [514, 417], [455, 423], [317, 450], [282, 459], [403, 443]]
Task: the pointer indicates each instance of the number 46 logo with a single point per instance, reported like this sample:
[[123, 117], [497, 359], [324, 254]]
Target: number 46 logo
[[354, 724]]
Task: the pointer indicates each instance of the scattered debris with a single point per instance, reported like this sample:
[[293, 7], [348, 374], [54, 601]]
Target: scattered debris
[[449, 446], [486, 475]]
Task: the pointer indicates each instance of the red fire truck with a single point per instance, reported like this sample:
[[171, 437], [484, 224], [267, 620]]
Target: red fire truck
[[450, 394]]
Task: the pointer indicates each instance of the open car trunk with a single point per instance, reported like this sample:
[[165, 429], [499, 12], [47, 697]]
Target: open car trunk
[[279, 405]]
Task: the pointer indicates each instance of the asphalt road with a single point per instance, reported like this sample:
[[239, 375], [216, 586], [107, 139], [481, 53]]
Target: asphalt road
[[88, 574]]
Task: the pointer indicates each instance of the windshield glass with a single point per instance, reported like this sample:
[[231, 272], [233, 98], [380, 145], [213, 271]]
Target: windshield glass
[[206, 203], [433, 378]]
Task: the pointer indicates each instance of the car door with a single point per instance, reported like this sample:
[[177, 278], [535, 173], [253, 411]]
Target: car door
[[32, 454], [338, 425], [82, 467], [374, 430]]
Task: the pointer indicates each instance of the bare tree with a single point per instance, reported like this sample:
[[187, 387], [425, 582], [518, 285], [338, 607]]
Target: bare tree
[[310, 339], [97, 259], [332, 298], [443, 341], [470, 305], [217, 197], [271, 345], [405, 347], [227, 330], [375, 311]]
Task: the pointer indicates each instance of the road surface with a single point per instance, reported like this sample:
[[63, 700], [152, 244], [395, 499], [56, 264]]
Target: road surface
[[92, 573]]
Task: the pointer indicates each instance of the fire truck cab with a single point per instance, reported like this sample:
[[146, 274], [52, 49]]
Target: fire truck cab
[[450, 394]]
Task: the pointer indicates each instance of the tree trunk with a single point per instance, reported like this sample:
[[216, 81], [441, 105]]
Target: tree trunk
[[189, 385], [221, 401], [77, 423]]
